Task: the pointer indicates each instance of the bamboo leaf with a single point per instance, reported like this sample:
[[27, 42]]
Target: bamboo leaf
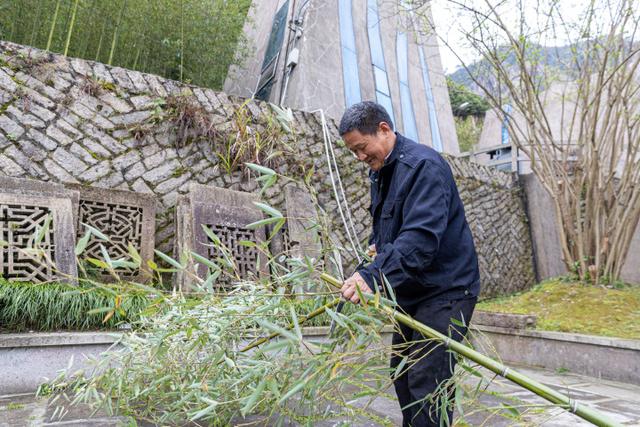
[[271, 211], [134, 254], [98, 263], [336, 317], [296, 388], [43, 230], [82, 243], [215, 239], [205, 261], [277, 329], [96, 232], [169, 260], [262, 170], [262, 223], [253, 398]]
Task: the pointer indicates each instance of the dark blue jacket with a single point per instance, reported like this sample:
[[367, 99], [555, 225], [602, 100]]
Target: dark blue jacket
[[424, 244]]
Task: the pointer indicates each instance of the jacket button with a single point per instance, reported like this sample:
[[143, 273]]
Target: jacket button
[[401, 155], [466, 292]]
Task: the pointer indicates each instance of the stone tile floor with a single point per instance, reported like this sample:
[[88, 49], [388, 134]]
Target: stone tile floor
[[620, 401]]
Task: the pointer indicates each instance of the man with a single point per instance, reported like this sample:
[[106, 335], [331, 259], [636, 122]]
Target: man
[[424, 250]]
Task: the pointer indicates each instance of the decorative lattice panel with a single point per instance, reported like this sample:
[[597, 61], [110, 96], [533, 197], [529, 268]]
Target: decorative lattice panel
[[226, 213], [122, 224], [19, 226], [244, 257]]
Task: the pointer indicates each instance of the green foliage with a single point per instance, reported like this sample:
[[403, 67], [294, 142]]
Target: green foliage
[[464, 102], [55, 306], [189, 364], [468, 130], [188, 40]]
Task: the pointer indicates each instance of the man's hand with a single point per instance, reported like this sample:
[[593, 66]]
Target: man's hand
[[349, 286], [371, 251]]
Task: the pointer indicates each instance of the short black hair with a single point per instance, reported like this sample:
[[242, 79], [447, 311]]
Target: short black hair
[[364, 117]]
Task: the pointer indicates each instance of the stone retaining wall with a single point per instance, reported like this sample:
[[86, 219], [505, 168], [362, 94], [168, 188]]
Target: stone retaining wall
[[74, 121]]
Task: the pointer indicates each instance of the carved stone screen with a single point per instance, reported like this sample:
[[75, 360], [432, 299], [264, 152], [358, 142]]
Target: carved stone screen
[[245, 257], [19, 225], [26, 207], [226, 213], [125, 218]]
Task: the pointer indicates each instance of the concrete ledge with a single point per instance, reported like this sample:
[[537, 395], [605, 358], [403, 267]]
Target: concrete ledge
[[600, 357], [27, 360], [52, 339]]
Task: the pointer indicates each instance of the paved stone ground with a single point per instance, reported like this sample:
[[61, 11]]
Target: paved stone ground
[[619, 401]]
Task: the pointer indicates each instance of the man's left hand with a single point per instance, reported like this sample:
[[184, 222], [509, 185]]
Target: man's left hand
[[349, 286]]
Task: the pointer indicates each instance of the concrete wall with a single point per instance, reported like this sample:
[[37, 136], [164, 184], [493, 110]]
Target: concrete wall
[[75, 121], [600, 357], [317, 81], [545, 236]]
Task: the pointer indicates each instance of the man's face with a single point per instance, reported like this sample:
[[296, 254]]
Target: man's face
[[371, 149]]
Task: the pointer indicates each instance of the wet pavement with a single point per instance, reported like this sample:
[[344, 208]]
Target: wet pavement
[[620, 401]]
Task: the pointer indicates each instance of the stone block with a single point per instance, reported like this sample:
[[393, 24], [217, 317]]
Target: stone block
[[125, 218], [226, 213], [12, 129], [9, 167], [122, 79], [25, 207], [68, 161], [130, 119], [124, 161], [504, 320]]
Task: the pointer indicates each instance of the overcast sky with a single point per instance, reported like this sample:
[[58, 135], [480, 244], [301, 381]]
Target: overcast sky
[[449, 22], [444, 18]]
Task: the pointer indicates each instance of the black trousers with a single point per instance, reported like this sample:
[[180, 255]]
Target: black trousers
[[433, 363]]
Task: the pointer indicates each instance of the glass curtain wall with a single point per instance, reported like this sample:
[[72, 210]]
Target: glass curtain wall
[[383, 94], [349, 55]]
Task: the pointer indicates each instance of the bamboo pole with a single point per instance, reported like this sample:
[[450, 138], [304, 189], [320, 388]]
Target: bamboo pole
[[71, 25], [530, 384], [314, 313], [53, 25], [115, 32]]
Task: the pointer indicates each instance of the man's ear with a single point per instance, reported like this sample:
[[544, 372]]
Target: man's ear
[[384, 127]]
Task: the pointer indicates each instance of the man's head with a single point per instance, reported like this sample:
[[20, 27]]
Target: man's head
[[367, 130]]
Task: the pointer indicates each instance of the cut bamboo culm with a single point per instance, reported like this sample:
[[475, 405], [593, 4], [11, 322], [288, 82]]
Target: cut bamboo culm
[[530, 384]]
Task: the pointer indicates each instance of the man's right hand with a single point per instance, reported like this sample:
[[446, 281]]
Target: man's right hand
[[371, 251]]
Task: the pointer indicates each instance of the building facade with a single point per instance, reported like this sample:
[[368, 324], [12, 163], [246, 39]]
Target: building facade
[[330, 54]]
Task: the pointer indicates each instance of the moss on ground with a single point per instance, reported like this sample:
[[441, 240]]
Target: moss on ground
[[569, 306]]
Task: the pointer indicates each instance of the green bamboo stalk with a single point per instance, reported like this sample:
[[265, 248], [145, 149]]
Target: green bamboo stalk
[[53, 25], [71, 24], [115, 33], [301, 320], [35, 28], [104, 25], [181, 37], [584, 412]]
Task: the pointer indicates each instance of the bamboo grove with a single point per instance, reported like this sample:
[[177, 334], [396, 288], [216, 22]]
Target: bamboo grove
[[188, 40]]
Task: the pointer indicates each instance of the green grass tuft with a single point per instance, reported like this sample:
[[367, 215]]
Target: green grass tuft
[[57, 306]]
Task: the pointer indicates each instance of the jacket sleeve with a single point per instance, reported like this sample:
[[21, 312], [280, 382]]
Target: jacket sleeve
[[424, 212]]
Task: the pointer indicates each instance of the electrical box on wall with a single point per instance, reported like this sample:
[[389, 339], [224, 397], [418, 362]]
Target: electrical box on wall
[[292, 59]]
